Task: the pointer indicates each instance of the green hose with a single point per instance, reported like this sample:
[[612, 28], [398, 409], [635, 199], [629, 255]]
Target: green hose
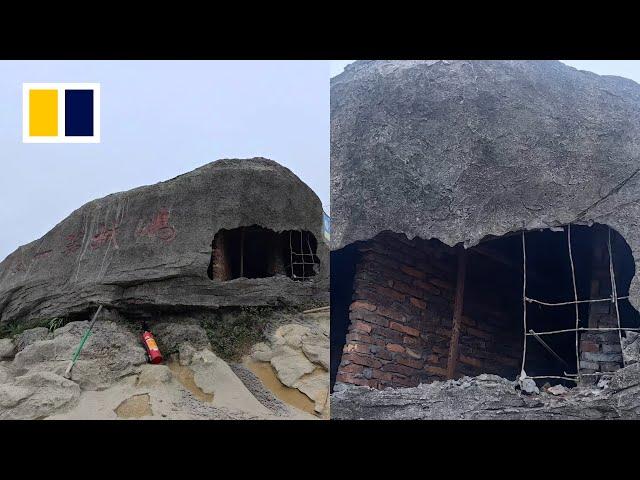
[[80, 345]]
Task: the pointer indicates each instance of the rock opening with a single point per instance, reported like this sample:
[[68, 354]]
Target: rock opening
[[396, 314], [256, 252]]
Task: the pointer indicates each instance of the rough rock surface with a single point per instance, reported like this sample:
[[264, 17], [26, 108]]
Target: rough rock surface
[[299, 355], [111, 352], [459, 150], [172, 334], [150, 247], [490, 397], [631, 347], [36, 395], [111, 379], [7, 348], [258, 390]]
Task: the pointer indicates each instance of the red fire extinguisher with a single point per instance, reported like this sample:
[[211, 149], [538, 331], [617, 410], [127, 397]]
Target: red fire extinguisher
[[153, 352]]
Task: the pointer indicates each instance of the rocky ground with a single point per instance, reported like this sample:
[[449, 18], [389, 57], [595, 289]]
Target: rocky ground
[[492, 398], [112, 378], [298, 353]]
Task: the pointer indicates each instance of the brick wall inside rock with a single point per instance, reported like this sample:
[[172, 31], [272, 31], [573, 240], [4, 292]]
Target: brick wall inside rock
[[401, 318], [600, 351]]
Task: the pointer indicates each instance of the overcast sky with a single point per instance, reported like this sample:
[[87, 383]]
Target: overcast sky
[[159, 119]]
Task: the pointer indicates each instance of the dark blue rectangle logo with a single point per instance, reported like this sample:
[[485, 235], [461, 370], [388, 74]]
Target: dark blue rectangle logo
[[78, 113]]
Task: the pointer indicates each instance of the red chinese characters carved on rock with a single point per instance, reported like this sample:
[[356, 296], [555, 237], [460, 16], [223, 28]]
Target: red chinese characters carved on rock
[[73, 242], [104, 236], [158, 227]]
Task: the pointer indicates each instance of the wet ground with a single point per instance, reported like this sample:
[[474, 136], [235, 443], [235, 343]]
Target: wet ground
[[265, 372]]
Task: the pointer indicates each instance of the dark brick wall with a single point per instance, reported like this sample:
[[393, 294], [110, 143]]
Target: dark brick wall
[[600, 351], [401, 318]]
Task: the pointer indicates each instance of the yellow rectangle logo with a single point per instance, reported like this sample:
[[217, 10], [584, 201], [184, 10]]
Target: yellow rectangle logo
[[43, 113]]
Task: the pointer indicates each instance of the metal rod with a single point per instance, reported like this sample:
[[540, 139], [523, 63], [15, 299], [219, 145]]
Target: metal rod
[[575, 297], [555, 376], [548, 348], [608, 299], [614, 293], [524, 302], [584, 329]]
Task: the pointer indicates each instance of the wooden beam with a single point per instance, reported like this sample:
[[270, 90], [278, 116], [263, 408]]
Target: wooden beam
[[457, 313]]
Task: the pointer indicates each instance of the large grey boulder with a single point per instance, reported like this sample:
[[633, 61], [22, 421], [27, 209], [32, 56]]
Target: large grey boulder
[[110, 353], [171, 335], [31, 336], [7, 348], [459, 150], [150, 247], [37, 395]]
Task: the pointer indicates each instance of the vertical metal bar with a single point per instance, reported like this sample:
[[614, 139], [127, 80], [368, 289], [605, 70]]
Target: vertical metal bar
[[614, 292], [575, 298], [313, 263], [293, 275], [457, 313], [524, 302]]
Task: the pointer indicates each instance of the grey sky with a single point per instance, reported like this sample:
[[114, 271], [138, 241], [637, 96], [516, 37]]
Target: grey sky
[[159, 119]]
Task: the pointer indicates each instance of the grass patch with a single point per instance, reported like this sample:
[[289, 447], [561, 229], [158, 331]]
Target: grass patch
[[232, 333], [14, 328]]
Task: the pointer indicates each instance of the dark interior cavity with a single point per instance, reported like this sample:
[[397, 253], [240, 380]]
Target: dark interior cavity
[[257, 252], [491, 337], [343, 268]]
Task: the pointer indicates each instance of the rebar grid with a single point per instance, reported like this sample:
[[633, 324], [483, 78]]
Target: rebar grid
[[613, 299], [300, 256]]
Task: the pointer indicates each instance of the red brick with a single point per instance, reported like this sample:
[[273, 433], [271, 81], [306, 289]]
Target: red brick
[[426, 287], [433, 358], [396, 368], [349, 378], [361, 326], [411, 341], [361, 338], [413, 272], [404, 329], [394, 347], [408, 289], [586, 346], [362, 305], [356, 347], [418, 303], [382, 375], [408, 362], [389, 293], [369, 317], [351, 368], [414, 352], [442, 372], [391, 313], [367, 361]]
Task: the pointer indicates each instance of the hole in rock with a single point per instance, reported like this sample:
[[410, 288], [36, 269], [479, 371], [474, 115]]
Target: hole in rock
[[394, 307], [256, 252]]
